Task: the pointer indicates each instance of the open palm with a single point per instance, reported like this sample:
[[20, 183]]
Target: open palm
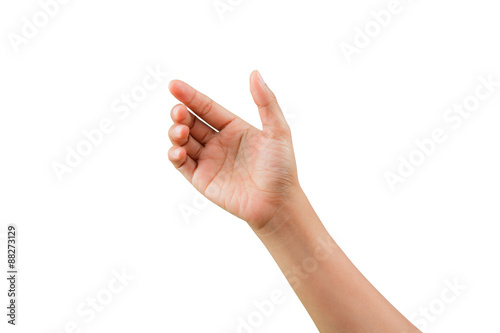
[[244, 170]]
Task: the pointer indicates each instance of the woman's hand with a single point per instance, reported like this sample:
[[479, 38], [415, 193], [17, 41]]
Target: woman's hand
[[252, 174], [246, 171]]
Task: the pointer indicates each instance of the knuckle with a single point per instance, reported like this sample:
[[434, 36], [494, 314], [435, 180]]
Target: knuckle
[[206, 136], [207, 107], [191, 119]]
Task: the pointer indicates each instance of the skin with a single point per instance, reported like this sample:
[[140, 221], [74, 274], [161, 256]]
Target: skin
[[253, 175]]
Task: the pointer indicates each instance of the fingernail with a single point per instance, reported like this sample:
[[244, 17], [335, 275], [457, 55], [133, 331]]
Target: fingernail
[[177, 153], [178, 130], [261, 80]]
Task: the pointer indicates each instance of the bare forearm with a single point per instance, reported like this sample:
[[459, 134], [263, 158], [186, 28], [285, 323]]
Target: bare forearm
[[336, 295]]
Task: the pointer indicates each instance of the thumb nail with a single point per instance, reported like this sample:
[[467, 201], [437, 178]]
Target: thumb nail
[[261, 80]]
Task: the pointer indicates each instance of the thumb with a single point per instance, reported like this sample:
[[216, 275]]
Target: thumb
[[273, 120]]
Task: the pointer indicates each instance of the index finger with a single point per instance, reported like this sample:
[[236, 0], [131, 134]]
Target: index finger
[[208, 110]]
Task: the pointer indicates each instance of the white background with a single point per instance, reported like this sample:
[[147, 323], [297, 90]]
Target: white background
[[121, 208]]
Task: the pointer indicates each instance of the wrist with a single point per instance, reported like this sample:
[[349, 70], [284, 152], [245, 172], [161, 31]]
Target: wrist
[[288, 214]]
